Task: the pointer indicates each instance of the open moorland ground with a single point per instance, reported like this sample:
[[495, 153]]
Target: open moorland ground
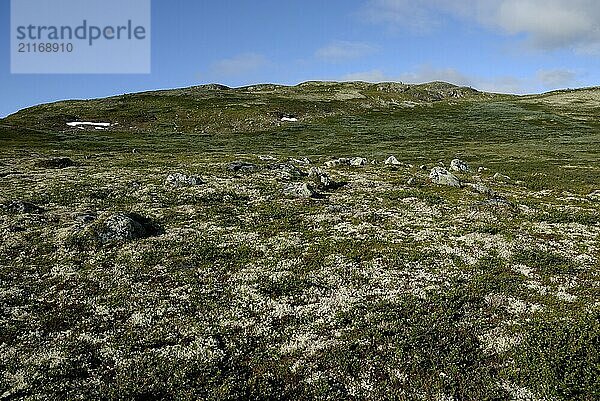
[[200, 248]]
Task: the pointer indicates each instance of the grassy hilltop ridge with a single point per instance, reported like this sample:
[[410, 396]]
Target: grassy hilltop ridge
[[202, 248], [218, 109]]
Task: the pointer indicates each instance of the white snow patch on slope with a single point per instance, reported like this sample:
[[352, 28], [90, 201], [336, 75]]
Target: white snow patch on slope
[[81, 123]]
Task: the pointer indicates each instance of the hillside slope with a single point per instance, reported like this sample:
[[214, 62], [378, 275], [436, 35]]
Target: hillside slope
[[382, 241], [216, 108]]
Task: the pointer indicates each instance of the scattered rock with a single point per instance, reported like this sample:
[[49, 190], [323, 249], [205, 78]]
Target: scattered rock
[[460, 166], [321, 178], [304, 160], [126, 227], [323, 181], [482, 189], [20, 207], [358, 161], [135, 185], [441, 176], [501, 177], [423, 167], [392, 161], [595, 195], [181, 180], [57, 162], [85, 218], [287, 171], [243, 167], [336, 208], [299, 190], [496, 202], [344, 161], [411, 181]]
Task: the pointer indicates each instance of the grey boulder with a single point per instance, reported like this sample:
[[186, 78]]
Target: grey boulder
[[358, 161], [392, 161], [124, 227], [299, 190], [441, 176], [459, 166], [243, 167], [180, 180]]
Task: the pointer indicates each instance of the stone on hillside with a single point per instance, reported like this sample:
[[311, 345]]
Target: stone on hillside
[[287, 171], [304, 160], [20, 207], [496, 202], [239, 166], [392, 161], [84, 218], [56, 162], [460, 166], [501, 177], [299, 190], [342, 161], [180, 180], [595, 195], [321, 179], [482, 189], [126, 227], [441, 176], [358, 161]]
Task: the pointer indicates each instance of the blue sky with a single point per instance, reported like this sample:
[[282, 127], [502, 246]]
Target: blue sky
[[517, 46]]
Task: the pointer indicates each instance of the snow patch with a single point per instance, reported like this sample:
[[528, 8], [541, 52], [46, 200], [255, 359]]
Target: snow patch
[[80, 124]]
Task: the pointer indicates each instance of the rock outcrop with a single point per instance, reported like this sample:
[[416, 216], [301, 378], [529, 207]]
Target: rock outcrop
[[441, 176]]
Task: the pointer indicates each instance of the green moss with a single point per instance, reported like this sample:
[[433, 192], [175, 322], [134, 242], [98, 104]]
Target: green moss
[[558, 357]]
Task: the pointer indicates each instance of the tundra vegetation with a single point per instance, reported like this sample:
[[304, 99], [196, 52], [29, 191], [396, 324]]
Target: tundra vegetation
[[262, 243]]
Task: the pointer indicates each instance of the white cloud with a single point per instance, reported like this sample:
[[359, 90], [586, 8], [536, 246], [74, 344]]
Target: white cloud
[[426, 73], [239, 65], [343, 50], [542, 80], [422, 74], [547, 24], [551, 24], [368, 76], [418, 16], [506, 84], [555, 79]]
